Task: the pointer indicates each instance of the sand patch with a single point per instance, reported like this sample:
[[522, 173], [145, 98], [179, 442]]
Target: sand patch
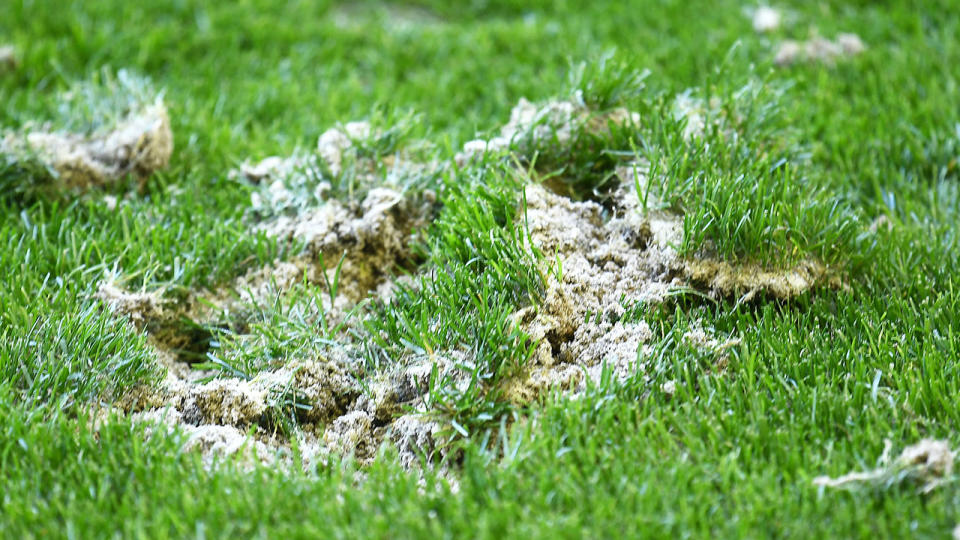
[[599, 269], [927, 464]]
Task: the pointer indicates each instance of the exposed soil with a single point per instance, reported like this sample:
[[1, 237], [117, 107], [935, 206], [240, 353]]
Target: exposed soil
[[599, 262], [333, 410], [600, 268]]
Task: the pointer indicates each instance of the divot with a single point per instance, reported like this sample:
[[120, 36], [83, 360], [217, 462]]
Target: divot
[[745, 280], [139, 144]]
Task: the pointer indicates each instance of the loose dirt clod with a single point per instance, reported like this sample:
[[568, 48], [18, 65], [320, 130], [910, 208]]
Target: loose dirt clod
[[928, 463], [744, 280], [819, 49]]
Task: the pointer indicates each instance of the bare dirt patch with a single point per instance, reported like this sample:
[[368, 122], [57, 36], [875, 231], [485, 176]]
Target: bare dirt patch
[[358, 245], [600, 268]]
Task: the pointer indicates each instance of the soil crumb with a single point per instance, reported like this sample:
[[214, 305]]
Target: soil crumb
[[927, 464], [819, 49]]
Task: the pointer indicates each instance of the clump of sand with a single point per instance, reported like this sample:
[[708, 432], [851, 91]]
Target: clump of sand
[[819, 49], [928, 464]]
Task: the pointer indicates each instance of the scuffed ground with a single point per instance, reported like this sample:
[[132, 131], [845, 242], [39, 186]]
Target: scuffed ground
[[599, 261], [358, 245], [599, 269]]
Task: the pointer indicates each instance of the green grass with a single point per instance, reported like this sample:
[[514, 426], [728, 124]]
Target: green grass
[[803, 160]]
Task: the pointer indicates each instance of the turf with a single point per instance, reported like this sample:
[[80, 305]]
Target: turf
[[816, 386]]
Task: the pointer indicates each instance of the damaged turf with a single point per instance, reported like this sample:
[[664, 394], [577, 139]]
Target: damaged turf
[[352, 250], [357, 217]]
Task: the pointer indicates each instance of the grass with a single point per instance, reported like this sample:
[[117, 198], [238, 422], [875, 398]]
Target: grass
[[801, 162]]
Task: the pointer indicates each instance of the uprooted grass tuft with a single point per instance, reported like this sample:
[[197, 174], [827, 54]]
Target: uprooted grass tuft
[[737, 173]]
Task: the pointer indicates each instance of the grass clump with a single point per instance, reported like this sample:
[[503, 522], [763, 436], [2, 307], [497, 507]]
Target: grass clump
[[477, 273], [741, 180]]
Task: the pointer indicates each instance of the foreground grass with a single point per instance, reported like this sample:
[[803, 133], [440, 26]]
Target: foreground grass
[[815, 388]]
